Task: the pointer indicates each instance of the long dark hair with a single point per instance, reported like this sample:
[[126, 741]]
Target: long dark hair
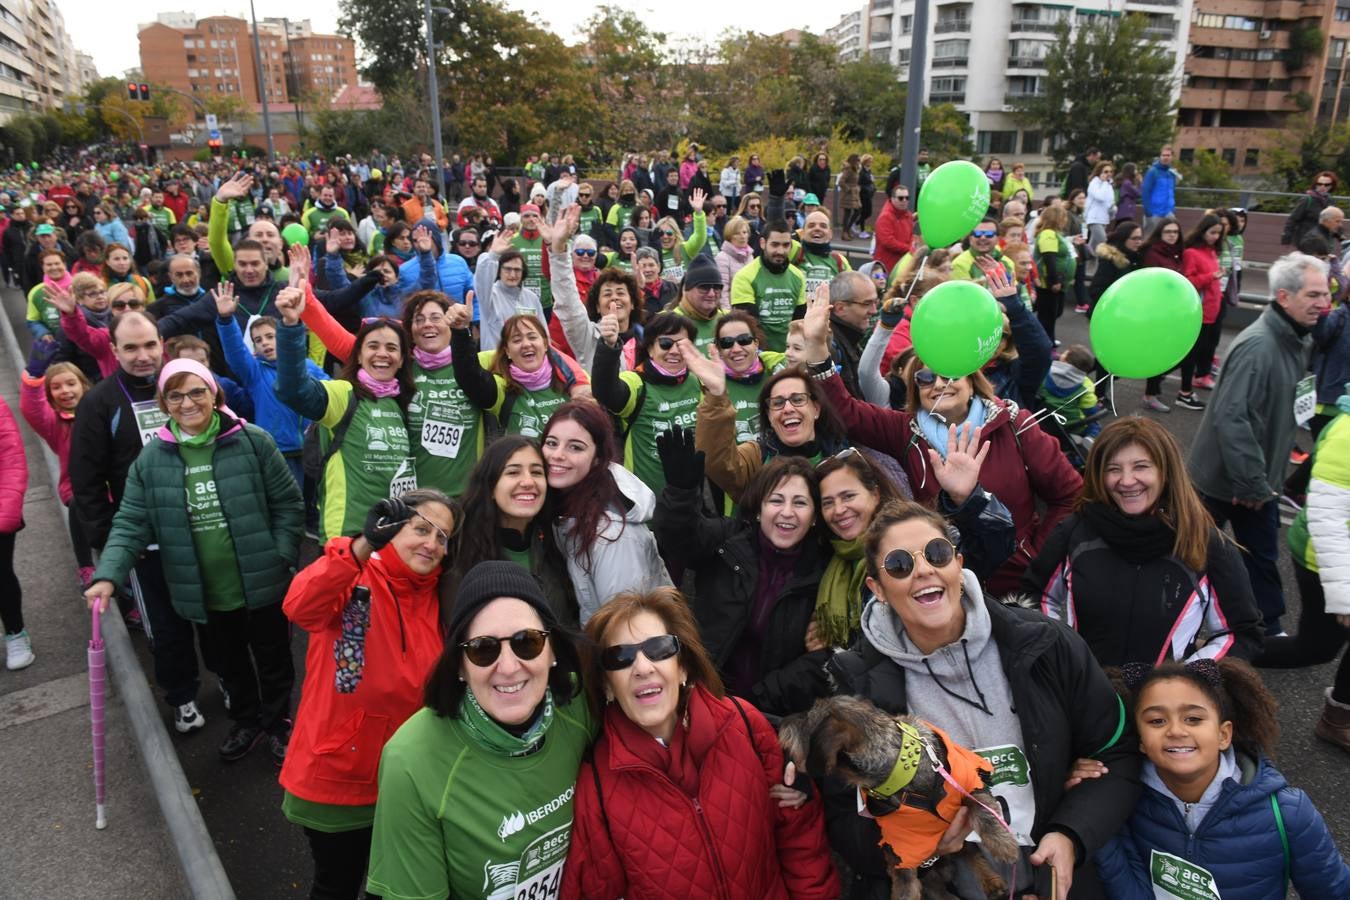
[[1239, 697], [1196, 236], [407, 390], [589, 501], [480, 505]]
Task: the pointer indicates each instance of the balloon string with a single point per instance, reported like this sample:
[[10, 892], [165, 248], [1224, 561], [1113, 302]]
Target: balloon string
[[1048, 411], [923, 261]]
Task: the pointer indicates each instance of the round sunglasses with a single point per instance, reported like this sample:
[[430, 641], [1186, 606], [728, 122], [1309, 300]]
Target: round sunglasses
[[938, 552], [526, 644], [618, 657]]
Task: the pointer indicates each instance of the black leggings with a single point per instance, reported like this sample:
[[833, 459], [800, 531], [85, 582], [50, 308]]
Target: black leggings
[[11, 594], [1320, 637], [1049, 307], [339, 863], [79, 540]]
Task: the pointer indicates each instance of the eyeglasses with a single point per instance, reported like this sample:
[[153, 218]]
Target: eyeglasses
[[433, 319], [583, 251], [726, 342], [707, 288], [840, 456], [466, 243], [127, 304], [513, 270], [938, 552], [586, 196], [665, 343], [483, 651], [798, 401], [925, 377], [984, 233], [196, 395], [901, 198], [618, 657]]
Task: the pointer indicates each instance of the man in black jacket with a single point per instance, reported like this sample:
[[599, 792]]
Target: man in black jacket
[[115, 419], [1080, 170], [853, 302]]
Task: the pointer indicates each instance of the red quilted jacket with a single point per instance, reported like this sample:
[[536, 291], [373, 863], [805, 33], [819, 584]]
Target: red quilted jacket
[[731, 842]]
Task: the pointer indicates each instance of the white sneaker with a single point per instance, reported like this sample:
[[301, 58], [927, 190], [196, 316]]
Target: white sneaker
[[188, 718], [18, 651]]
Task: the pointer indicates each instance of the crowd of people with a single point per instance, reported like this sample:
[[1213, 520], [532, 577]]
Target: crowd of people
[[608, 477]]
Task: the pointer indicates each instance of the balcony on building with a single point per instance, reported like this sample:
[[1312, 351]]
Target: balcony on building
[[882, 42], [952, 97], [882, 8], [952, 19], [1033, 17]]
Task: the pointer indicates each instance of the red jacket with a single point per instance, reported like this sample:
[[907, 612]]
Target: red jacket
[[894, 234], [1200, 265], [13, 472], [334, 754], [731, 841], [1020, 469], [179, 204]]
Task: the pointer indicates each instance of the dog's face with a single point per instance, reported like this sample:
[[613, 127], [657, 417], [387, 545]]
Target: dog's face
[[844, 736]]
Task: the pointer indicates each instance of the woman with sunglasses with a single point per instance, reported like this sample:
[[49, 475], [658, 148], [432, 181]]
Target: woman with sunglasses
[[466, 244], [228, 551], [1306, 214], [73, 219], [476, 788], [738, 338], [371, 606], [505, 497], [1139, 570], [1025, 467], [362, 415], [601, 509], [1019, 690], [611, 293], [119, 269], [675, 251], [109, 226], [683, 795], [657, 393]]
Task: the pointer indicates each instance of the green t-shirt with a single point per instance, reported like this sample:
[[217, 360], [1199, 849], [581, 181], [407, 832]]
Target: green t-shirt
[[705, 329], [773, 299], [222, 586], [1050, 242], [447, 431], [374, 462], [455, 819], [163, 218], [522, 412], [326, 817], [743, 393], [39, 310], [590, 223], [664, 405], [816, 269], [533, 251]]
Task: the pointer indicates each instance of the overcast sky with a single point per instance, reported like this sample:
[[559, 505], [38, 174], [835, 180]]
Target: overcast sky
[[111, 39]]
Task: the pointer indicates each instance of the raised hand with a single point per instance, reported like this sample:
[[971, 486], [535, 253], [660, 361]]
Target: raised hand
[[459, 316], [680, 462], [696, 198], [226, 302], [385, 519], [546, 232], [333, 244], [816, 325], [501, 242], [959, 473], [1001, 284], [609, 329], [299, 260], [235, 187], [707, 369], [60, 298], [290, 303], [422, 239]]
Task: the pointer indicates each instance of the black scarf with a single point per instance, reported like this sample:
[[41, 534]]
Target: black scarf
[[1137, 538], [1283, 314]]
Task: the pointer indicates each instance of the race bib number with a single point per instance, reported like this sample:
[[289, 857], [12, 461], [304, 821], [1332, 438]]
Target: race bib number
[[1010, 765], [673, 273], [673, 203], [404, 480], [1176, 879], [440, 437], [813, 283], [149, 419], [1305, 400], [748, 429]]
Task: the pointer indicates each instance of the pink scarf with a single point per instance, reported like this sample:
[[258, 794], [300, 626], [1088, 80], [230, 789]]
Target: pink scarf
[[753, 370], [532, 381], [63, 283], [666, 372], [438, 360], [381, 389]]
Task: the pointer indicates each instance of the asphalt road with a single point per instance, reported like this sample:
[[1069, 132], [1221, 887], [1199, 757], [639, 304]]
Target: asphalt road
[[267, 857]]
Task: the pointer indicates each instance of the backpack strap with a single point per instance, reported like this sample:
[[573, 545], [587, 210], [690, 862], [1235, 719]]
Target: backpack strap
[[1284, 836], [599, 791], [339, 432], [750, 732]]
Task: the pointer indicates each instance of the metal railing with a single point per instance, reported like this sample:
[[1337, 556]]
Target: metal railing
[[1246, 198], [948, 27]]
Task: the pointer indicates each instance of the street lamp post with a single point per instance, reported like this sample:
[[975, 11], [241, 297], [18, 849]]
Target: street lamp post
[[914, 100], [257, 65], [435, 98]]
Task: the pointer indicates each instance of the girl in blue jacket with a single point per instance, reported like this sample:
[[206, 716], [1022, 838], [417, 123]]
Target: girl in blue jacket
[[1215, 819]]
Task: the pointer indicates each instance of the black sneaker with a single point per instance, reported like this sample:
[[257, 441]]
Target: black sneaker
[[240, 742], [1188, 401], [278, 741]]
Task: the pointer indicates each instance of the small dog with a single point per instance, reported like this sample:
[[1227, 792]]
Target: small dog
[[889, 758]]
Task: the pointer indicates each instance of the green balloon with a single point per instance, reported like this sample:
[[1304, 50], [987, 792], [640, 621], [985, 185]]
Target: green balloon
[[953, 200], [957, 328], [295, 233], [1145, 323]]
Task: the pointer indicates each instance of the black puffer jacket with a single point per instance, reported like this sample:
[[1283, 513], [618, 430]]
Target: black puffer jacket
[[1067, 710], [725, 554]]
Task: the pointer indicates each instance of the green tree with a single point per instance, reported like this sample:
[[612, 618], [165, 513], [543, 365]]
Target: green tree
[[1106, 85], [1307, 148], [638, 91], [1207, 170], [869, 100]]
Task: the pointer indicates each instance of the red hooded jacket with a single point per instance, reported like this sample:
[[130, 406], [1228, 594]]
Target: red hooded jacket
[[894, 235], [650, 839]]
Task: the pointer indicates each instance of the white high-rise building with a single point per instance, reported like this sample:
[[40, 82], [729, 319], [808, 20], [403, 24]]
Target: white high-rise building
[[850, 35], [982, 54]]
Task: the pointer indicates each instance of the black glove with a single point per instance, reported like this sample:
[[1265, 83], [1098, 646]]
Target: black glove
[[777, 183], [681, 463], [385, 520]]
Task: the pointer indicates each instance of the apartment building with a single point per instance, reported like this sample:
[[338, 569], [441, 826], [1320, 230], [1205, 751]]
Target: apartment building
[[1256, 68], [983, 54], [39, 67], [214, 56], [850, 35]]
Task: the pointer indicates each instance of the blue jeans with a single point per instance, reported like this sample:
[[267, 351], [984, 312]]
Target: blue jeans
[[1258, 532]]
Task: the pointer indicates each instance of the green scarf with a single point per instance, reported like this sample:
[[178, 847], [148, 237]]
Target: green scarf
[[485, 730], [839, 597], [197, 440]]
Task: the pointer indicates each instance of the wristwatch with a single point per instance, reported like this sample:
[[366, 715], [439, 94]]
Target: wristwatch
[[821, 370]]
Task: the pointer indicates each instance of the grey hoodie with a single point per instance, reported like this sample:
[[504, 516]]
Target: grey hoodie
[[962, 689], [1065, 376]]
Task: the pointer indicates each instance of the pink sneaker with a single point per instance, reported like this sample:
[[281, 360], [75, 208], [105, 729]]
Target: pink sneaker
[[1204, 382]]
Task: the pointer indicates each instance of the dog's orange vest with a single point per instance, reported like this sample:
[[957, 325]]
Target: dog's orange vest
[[913, 834]]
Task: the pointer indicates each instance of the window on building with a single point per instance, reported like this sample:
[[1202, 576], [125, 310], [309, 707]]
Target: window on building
[[1187, 154], [1343, 13], [1230, 155], [1252, 158], [1031, 142], [996, 142], [906, 24], [950, 53]]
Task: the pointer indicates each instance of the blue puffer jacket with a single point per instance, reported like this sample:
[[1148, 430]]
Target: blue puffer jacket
[[451, 277], [1237, 842], [1160, 190], [285, 425], [1331, 356]]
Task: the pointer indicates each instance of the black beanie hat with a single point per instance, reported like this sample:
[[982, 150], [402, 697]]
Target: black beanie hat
[[489, 580], [701, 271]]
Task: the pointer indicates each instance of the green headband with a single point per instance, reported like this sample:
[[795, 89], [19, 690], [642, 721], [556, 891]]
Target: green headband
[[906, 763]]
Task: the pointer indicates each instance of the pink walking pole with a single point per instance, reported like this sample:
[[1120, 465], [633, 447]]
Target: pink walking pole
[[97, 688]]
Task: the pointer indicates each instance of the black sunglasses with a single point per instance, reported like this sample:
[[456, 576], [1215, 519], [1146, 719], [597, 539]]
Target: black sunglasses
[[665, 343], [924, 377], [726, 342], [525, 644], [938, 552], [620, 656]]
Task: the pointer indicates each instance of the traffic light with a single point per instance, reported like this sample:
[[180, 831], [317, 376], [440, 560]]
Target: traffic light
[[145, 91], [214, 143], [133, 92]]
